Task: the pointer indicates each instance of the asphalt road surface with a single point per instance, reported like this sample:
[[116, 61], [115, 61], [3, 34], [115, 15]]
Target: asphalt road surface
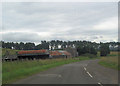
[[83, 72]]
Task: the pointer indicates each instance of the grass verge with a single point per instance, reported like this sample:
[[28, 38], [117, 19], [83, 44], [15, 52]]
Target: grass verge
[[110, 61], [16, 70]]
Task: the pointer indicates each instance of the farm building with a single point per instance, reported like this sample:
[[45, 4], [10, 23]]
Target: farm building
[[72, 51], [9, 58], [9, 55], [59, 54], [33, 54], [42, 54], [36, 54]]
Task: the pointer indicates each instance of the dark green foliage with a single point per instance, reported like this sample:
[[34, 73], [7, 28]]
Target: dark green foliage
[[104, 49], [89, 55], [83, 46], [93, 51], [25, 46], [86, 48]]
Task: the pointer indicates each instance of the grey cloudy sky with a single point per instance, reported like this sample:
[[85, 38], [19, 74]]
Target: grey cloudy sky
[[33, 22]]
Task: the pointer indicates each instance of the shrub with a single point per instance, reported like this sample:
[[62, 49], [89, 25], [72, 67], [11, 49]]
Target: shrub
[[89, 55]]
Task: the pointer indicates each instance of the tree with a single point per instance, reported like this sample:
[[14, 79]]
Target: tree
[[29, 46], [44, 45], [38, 47], [93, 51], [85, 48], [22, 45], [104, 49]]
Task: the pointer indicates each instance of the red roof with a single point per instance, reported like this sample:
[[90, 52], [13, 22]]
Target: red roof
[[66, 53], [52, 53], [55, 53], [32, 51]]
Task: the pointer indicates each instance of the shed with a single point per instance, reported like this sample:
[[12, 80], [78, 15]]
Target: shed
[[33, 54], [59, 54]]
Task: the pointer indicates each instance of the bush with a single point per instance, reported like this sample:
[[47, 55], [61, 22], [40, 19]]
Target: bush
[[104, 49], [89, 55], [86, 49]]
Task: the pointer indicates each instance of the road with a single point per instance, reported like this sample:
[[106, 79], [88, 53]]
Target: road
[[83, 72]]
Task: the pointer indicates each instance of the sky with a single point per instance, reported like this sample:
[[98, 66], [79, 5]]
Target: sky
[[36, 21]]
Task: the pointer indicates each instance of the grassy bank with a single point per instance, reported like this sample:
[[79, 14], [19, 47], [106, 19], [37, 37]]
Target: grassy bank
[[13, 71], [110, 61]]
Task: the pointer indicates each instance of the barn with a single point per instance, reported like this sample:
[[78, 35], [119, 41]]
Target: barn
[[72, 51], [42, 54], [33, 54], [59, 54]]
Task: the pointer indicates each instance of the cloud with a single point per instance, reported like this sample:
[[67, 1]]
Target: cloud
[[60, 21], [107, 24], [19, 36]]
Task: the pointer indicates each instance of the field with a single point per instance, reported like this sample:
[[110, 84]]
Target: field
[[111, 61], [15, 70]]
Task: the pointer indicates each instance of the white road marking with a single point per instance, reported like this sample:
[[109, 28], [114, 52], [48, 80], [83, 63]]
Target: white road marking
[[85, 69], [100, 84], [90, 75], [88, 72]]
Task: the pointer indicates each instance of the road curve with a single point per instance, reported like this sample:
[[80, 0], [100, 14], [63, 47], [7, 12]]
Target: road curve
[[83, 72]]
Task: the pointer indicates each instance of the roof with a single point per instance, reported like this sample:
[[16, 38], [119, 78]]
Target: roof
[[52, 53], [66, 53], [56, 53], [32, 51]]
